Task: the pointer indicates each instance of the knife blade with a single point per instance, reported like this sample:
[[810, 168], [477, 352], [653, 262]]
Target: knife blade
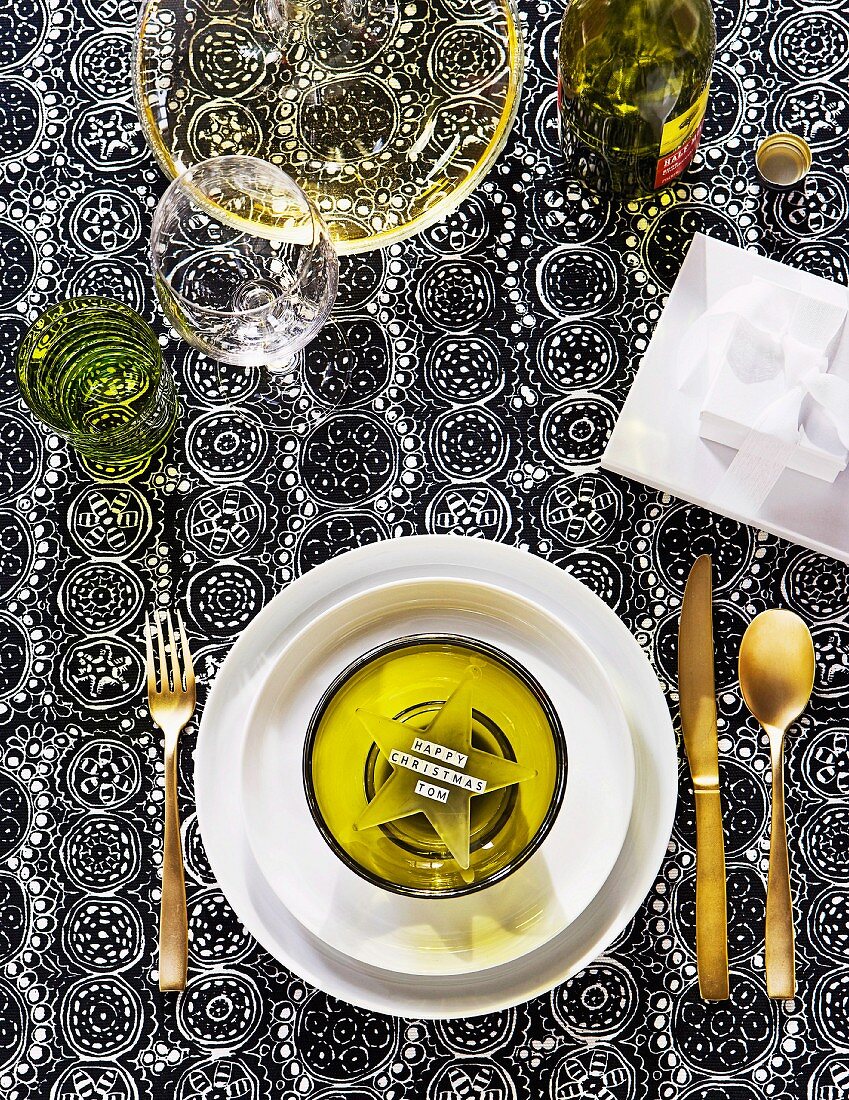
[[697, 695]]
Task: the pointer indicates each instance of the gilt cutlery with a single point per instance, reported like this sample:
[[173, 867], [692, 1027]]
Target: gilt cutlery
[[776, 677], [698, 723], [171, 697]]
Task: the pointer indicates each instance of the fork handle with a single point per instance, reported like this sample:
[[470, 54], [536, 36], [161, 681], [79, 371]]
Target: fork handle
[[173, 923]]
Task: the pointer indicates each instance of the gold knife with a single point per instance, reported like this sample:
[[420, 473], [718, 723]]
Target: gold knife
[[698, 722]]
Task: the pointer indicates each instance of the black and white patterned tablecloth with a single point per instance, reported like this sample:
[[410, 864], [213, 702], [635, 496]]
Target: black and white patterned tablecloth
[[489, 359]]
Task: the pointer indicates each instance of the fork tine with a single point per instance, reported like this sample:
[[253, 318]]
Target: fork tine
[[176, 674], [187, 654], [163, 663], [152, 687]]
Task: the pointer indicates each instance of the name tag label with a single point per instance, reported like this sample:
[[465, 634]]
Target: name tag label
[[437, 771], [440, 752], [430, 790]]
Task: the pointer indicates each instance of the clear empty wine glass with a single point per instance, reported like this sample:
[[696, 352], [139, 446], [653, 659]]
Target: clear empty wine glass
[[242, 261]]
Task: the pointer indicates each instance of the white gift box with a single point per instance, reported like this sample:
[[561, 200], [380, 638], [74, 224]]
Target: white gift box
[[664, 436]]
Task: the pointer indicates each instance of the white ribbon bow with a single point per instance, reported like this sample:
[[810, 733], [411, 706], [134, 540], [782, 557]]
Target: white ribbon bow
[[779, 330]]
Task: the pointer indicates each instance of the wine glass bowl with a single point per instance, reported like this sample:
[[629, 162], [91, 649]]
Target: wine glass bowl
[[242, 261]]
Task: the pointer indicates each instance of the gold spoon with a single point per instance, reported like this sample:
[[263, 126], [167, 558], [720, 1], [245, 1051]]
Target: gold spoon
[[777, 677]]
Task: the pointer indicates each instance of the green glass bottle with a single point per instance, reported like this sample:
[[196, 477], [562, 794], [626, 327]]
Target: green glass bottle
[[633, 83]]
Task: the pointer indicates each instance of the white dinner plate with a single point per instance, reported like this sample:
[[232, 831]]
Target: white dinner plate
[[428, 935], [219, 798]]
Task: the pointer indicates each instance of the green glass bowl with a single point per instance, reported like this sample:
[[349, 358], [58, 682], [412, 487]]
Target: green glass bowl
[[92, 369], [408, 680]]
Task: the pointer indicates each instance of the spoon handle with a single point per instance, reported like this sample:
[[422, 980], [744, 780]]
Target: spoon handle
[[780, 955]]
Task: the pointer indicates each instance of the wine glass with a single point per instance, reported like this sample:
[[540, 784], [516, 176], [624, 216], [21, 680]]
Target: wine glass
[[242, 261]]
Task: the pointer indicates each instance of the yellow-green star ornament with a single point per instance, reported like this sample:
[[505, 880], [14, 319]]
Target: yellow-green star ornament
[[442, 761]]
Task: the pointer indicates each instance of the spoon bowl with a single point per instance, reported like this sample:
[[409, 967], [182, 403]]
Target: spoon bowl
[[777, 677], [777, 668]]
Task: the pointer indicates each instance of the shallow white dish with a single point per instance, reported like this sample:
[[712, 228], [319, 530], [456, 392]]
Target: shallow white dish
[[419, 935], [219, 797]]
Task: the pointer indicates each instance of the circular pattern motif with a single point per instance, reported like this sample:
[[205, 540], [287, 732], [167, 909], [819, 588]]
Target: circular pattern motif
[[725, 1036], [215, 935], [220, 1010], [102, 1016], [468, 510], [225, 522], [16, 551], [109, 520], [669, 237], [225, 598], [103, 934], [226, 59], [339, 1042], [14, 814], [218, 1080], [814, 590], [17, 262], [464, 368], [812, 45], [686, 532], [596, 1071], [825, 763], [22, 27], [328, 537], [832, 1006], [825, 842], [102, 673], [105, 222], [100, 596], [577, 281], [468, 443], [454, 295], [479, 1034], [576, 355], [829, 923], [582, 510], [362, 362], [14, 917], [598, 572], [104, 774], [20, 117], [574, 431], [106, 1079], [348, 458], [821, 209], [19, 448], [101, 852], [599, 1001], [14, 655], [13, 1024], [101, 65], [224, 446]]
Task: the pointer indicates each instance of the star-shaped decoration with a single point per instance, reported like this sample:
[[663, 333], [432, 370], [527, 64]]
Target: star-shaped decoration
[[437, 772]]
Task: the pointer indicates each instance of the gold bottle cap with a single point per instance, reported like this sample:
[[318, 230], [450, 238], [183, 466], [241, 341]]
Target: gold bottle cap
[[783, 160]]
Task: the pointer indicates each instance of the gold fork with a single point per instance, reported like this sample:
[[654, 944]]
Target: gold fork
[[172, 702]]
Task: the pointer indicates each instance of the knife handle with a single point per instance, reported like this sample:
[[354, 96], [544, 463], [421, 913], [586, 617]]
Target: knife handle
[[711, 921]]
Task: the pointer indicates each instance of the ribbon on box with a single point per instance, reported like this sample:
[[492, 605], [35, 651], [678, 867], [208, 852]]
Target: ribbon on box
[[777, 332]]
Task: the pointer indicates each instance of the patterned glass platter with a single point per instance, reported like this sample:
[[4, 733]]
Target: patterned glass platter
[[386, 114], [435, 765]]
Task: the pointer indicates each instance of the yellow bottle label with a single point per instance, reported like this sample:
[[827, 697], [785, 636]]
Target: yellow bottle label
[[680, 139]]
